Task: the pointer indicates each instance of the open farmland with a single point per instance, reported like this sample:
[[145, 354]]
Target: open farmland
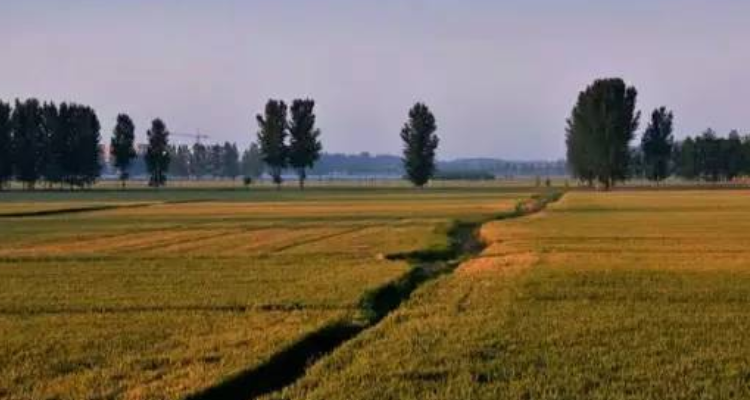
[[147, 299], [625, 295]]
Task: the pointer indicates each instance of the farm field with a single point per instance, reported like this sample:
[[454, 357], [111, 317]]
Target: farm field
[[166, 293], [623, 295]]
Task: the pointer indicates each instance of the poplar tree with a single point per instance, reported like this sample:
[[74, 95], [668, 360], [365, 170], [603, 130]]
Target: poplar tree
[[54, 144], [87, 150], [733, 156], [656, 144], [420, 143], [157, 154], [230, 161], [6, 140], [29, 142], [122, 146], [272, 135], [304, 145]]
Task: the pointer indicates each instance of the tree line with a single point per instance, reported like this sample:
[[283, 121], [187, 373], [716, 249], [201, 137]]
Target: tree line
[[707, 157], [61, 145], [197, 161], [603, 123], [288, 138], [44, 142]]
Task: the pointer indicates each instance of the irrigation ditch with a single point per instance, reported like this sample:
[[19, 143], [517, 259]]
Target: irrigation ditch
[[288, 365]]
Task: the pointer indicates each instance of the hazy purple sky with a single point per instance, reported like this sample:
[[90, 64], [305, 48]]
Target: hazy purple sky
[[501, 76]]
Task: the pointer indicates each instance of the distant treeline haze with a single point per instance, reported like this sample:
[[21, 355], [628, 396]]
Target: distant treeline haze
[[61, 145]]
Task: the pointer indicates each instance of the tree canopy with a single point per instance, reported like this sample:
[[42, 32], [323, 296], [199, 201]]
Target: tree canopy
[[157, 154], [420, 143], [122, 145], [656, 145], [304, 147], [600, 128], [6, 152], [29, 141], [230, 161], [272, 136]]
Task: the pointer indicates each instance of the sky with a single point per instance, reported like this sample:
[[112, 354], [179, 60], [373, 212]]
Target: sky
[[500, 76]]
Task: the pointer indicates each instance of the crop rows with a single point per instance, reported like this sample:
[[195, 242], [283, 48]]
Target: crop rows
[[165, 300], [630, 295]]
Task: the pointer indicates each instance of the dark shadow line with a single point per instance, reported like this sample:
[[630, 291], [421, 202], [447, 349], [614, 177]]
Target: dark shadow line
[[102, 207], [144, 309], [290, 364], [318, 239]]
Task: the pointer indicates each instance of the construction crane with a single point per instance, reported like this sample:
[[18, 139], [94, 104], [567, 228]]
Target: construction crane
[[197, 136]]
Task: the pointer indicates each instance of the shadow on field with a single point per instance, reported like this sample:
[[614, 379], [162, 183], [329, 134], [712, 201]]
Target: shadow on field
[[101, 207], [72, 210], [291, 363], [285, 366]]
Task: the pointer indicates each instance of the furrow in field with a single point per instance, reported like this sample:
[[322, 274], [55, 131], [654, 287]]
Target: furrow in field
[[317, 239], [588, 324], [286, 367], [158, 302]]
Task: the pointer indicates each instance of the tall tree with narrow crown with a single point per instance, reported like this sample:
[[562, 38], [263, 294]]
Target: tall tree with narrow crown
[[420, 143], [272, 135], [6, 139], [29, 142], [88, 133], [231, 161], [122, 146], [304, 145], [54, 150], [657, 143], [600, 128], [157, 154], [732, 155]]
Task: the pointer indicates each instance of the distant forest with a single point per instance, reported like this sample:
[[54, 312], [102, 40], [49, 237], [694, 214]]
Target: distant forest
[[215, 164]]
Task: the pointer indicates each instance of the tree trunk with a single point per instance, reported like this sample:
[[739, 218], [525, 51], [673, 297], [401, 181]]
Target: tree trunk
[[301, 174]]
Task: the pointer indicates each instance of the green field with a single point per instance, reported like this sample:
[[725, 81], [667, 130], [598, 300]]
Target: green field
[[625, 295], [159, 294]]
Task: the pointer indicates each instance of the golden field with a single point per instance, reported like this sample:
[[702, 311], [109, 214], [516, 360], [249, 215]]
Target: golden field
[[622, 295], [162, 294]]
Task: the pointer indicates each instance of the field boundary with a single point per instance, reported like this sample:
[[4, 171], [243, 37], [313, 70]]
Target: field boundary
[[94, 208], [289, 364], [69, 210]]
